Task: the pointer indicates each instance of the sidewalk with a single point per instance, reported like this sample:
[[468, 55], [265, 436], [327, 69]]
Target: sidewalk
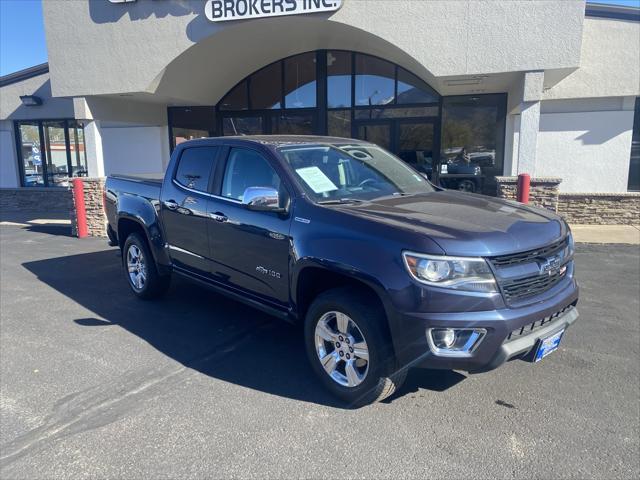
[[621, 234]]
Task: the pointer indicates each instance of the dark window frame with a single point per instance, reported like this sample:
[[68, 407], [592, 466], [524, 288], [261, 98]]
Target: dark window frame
[[68, 123], [170, 115], [501, 123], [635, 142], [321, 111]]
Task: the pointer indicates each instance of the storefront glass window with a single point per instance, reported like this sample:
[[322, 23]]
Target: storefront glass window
[[300, 81], [413, 90], [78, 153], [33, 172], [242, 126], [375, 81], [237, 98], [370, 98], [339, 123], [473, 135], [378, 134], [415, 145], [187, 123], [395, 112], [338, 79], [60, 157], [293, 124], [265, 88]]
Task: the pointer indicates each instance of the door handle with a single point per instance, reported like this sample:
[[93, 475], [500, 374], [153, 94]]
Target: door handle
[[219, 217], [171, 204]]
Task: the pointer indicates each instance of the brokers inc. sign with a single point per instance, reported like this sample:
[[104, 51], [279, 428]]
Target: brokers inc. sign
[[224, 10]]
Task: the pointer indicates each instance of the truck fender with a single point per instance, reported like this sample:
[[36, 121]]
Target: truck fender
[[145, 214]]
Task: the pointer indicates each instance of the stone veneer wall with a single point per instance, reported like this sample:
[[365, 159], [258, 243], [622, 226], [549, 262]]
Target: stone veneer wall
[[36, 199], [600, 208], [543, 192], [93, 203]]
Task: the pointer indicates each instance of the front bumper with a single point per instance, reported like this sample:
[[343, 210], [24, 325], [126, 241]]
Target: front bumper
[[499, 344], [523, 347]]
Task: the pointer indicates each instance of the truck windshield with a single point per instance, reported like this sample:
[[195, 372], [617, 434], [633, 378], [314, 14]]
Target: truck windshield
[[352, 173]]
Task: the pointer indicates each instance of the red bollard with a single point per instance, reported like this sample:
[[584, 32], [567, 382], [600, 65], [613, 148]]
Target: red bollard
[[522, 194], [81, 212]]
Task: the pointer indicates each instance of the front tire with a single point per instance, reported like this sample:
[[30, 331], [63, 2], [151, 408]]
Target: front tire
[[141, 271], [349, 347]]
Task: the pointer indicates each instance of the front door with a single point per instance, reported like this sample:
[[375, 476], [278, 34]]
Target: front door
[[375, 131], [415, 144], [249, 249], [413, 140]]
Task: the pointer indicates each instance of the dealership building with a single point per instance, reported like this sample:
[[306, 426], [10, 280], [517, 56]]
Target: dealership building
[[471, 92]]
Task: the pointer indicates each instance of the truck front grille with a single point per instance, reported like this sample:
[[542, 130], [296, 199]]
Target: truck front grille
[[529, 256], [523, 288], [532, 327]]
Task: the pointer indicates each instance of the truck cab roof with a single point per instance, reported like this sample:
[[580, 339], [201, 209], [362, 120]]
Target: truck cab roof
[[279, 140]]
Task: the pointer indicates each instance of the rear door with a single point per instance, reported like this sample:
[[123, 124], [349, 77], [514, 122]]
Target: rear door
[[249, 249], [185, 200]]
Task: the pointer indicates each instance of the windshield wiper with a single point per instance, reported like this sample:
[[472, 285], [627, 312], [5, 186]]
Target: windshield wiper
[[338, 201], [396, 195]]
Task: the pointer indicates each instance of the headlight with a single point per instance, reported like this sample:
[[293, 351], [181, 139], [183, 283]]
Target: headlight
[[570, 249], [460, 273]]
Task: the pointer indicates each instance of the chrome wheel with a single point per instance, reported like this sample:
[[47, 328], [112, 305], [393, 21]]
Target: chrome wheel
[[342, 349], [137, 267]]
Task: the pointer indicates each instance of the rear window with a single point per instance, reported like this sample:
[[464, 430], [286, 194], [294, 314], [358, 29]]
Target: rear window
[[194, 167]]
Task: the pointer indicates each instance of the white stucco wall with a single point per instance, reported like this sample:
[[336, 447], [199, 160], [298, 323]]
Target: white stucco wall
[[589, 150], [11, 106], [9, 177], [609, 63], [134, 149], [132, 43]]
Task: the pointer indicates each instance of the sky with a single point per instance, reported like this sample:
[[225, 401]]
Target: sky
[[22, 40]]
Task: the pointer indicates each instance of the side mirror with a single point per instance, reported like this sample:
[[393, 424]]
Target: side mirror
[[263, 199]]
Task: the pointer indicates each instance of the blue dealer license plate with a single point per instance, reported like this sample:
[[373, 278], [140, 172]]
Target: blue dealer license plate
[[548, 345]]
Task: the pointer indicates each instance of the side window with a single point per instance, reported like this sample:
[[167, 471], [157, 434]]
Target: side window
[[194, 167], [246, 168]]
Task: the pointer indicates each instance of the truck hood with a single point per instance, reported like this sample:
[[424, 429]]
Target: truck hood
[[465, 224]]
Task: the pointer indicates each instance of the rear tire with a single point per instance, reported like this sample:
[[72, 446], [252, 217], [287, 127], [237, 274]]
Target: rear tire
[[141, 271], [369, 374]]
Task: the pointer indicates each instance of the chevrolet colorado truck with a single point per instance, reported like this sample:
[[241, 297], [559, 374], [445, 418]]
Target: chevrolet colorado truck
[[383, 270]]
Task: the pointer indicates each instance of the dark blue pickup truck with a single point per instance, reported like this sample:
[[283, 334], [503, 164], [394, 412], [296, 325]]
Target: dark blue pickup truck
[[384, 270]]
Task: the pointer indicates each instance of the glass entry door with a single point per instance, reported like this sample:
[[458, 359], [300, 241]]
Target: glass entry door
[[413, 140], [375, 132], [415, 144], [57, 153]]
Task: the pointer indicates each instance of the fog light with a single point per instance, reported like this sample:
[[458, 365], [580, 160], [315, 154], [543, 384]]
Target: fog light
[[443, 338], [454, 342]]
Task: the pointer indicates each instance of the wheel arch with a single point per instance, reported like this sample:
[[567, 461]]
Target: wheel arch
[[128, 224], [312, 279]]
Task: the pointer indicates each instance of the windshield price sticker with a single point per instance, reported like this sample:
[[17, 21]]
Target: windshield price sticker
[[316, 179], [224, 10]]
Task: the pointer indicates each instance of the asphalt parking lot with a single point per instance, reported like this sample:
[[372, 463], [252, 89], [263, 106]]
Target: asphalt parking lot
[[95, 383]]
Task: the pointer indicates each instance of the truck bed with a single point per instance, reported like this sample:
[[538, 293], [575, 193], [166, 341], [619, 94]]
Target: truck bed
[[146, 186], [154, 179]]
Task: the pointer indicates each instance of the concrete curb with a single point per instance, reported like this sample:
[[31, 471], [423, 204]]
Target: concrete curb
[[609, 234]]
